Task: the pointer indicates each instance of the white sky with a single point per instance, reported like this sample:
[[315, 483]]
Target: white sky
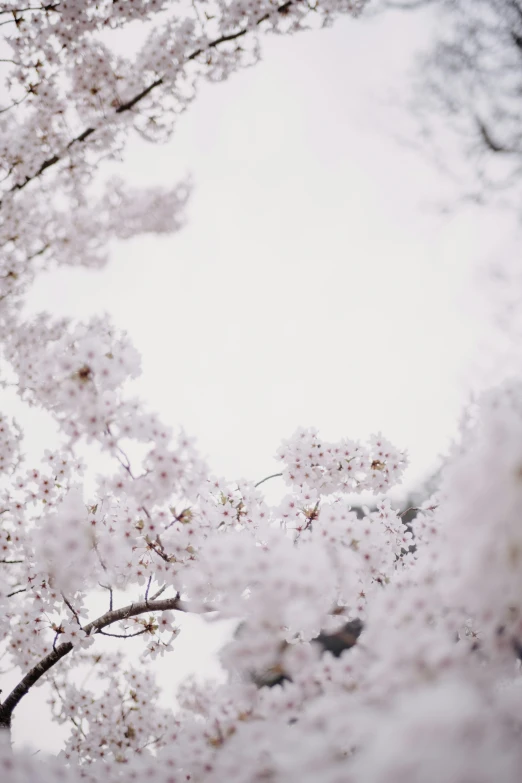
[[314, 283]]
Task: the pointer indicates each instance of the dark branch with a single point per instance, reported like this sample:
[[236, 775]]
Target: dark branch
[[490, 143], [47, 663], [21, 590], [274, 475], [125, 635], [148, 588], [71, 609], [158, 593]]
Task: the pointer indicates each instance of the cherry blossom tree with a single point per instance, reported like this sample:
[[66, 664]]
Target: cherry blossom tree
[[364, 650]]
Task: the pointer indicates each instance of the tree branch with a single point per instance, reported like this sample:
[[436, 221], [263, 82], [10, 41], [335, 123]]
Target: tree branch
[[124, 635], [43, 666], [21, 590], [128, 105], [490, 143], [274, 475]]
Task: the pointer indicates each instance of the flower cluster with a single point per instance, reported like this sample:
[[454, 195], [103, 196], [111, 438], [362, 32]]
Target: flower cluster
[[71, 99], [346, 466], [117, 724]]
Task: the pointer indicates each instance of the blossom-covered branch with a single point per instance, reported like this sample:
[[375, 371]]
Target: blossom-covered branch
[[136, 99], [87, 631]]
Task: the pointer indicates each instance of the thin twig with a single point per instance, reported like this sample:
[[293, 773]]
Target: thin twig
[[160, 591], [488, 140], [72, 609], [123, 635], [22, 590], [109, 588], [148, 588], [39, 252], [14, 103], [274, 475]]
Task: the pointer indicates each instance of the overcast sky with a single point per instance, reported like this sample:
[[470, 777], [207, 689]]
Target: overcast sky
[[315, 282]]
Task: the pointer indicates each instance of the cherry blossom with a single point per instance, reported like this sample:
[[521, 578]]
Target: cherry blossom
[[361, 647]]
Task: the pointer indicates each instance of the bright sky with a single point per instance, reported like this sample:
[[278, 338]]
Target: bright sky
[[315, 282]]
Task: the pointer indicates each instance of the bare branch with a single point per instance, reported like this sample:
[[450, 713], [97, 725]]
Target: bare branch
[[71, 609], [160, 591], [109, 588], [125, 635], [493, 145], [39, 252], [21, 590], [148, 588], [274, 475], [14, 103]]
